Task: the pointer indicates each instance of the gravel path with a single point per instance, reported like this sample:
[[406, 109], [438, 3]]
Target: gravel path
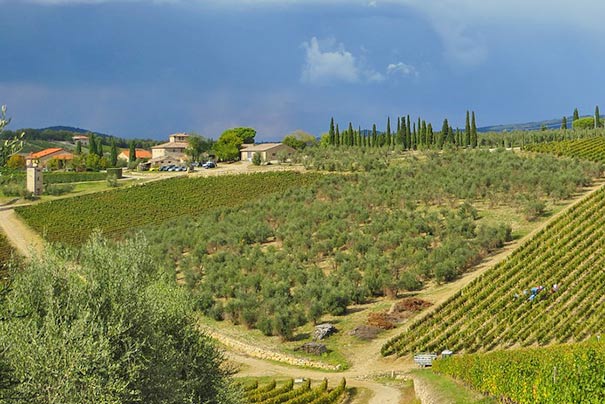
[[24, 239]]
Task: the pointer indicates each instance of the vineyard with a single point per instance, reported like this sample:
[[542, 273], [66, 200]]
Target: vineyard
[[272, 393], [497, 310], [592, 149], [114, 212], [571, 373]]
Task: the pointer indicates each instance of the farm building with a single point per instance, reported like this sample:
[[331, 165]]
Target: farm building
[[80, 138], [268, 151], [54, 153], [141, 154], [173, 149]]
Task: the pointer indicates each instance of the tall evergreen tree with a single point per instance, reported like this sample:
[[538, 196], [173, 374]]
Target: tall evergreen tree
[[429, 134], [337, 136], [467, 130], [350, 135], [423, 134], [92, 144], [564, 123], [388, 134], [78, 147], [113, 153], [474, 136], [414, 137], [408, 133], [132, 152], [445, 129], [597, 117], [332, 133], [374, 136], [100, 147], [576, 115]]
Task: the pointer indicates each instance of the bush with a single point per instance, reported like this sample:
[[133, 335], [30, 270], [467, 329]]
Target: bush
[[584, 123], [58, 189], [256, 159], [115, 172], [18, 191], [134, 343]]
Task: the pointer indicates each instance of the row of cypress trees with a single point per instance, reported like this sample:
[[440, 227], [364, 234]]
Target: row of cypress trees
[[408, 135]]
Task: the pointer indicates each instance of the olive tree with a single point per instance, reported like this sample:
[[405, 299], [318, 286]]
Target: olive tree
[[10, 146], [104, 324]]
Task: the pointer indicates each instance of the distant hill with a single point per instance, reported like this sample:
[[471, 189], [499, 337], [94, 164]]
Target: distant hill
[[550, 124], [74, 130]]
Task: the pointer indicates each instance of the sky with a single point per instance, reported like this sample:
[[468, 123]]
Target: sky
[[148, 68]]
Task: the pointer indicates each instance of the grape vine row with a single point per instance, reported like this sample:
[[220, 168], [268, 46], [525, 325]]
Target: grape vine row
[[495, 310], [285, 393], [569, 373]]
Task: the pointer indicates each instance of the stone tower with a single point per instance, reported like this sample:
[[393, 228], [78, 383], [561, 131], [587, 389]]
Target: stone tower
[[34, 177]]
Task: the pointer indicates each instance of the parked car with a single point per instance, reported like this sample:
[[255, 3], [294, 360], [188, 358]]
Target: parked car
[[209, 164]]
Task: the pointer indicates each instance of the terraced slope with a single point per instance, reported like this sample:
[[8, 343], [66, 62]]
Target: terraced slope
[[493, 311], [592, 149]]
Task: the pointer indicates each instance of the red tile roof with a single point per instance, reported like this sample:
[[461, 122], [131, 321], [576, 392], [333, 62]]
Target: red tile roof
[[45, 152], [139, 153]]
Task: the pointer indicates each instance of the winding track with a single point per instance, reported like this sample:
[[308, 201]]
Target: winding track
[[24, 239]]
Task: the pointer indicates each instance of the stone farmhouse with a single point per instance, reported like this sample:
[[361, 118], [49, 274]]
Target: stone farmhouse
[[269, 152], [172, 152], [54, 153]]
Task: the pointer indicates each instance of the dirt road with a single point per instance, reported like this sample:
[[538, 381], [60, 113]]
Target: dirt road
[[24, 239]]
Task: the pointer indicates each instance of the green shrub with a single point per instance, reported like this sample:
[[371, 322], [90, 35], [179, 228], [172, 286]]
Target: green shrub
[[584, 123], [58, 189]]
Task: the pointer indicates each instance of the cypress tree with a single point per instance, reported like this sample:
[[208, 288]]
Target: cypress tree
[[100, 147], [92, 144], [474, 136], [331, 133], [388, 135], [132, 152], [408, 133], [337, 136], [467, 130], [374, 136], [564, 123], [445, 129], [398, 125], [414, 137], [576, 115], [597, 117], [429, 134], [423, 134], [401, 133], [113, 153], [78, 147], [350, 135]]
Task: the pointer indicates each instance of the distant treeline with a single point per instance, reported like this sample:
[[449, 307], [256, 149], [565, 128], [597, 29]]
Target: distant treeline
[[67, 135], [419, 134]]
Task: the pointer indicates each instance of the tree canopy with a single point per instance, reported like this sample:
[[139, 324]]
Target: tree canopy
[[104, 325], [197, 146], [299, 139], [9, 146], [228, 144]]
